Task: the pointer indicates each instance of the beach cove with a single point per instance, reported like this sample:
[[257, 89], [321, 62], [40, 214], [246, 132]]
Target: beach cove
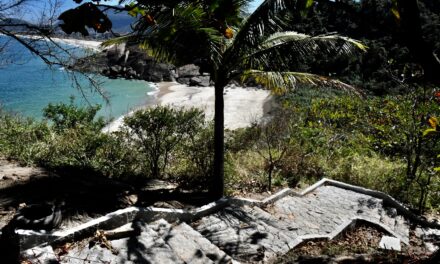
[[27, 88], [243, 106]]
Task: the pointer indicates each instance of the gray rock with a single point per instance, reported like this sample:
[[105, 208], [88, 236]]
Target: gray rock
[[115, 68], [195, 81], [188, 70], [139, 66], [184, 80], [200, 81], [390, 243], [131, 72], [43, 255], [157, 72]]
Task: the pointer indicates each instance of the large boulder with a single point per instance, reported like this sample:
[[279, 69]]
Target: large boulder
[[184, 80], [189, 70], [131, 62], [158, 72], [200, 81], [115, 53]]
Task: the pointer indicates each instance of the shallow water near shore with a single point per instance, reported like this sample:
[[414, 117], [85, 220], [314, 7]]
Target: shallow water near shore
[[28, 85]]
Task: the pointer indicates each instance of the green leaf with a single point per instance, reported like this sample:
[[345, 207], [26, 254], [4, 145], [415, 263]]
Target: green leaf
[[305, 9], [395, 10], [429, 131], [135, 11]]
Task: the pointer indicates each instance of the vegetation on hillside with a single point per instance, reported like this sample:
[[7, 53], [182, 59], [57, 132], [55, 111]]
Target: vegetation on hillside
[[376, 142], [388, 143]]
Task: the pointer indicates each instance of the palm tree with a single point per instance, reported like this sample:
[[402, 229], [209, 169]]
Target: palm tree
[[232, 44]]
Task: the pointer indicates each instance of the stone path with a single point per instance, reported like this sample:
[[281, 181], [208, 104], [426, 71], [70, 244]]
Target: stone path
[[241, 233], [261, 234]]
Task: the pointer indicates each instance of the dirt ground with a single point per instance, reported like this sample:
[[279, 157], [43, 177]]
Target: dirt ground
[[83, 195], [359, 245]]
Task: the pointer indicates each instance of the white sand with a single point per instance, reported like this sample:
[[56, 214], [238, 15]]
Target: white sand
[[243, 106], [82, 43], [90, 44]]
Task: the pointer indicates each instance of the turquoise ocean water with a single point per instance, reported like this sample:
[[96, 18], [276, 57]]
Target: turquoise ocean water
[[27, 85]]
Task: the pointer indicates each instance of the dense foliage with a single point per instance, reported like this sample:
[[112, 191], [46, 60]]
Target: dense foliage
[[378, 143], [156, 143], [388, 62]]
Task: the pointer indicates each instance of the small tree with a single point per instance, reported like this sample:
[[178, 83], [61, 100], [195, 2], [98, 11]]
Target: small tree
[[272, 142], [67, 116], [157, 131]]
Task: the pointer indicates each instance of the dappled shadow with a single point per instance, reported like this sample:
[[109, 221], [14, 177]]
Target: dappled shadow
[[82, 193], [135, 249], [163, 242], [243, 240], [77, 191]]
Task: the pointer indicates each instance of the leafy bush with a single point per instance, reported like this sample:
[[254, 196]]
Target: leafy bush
[[74, 147], [194, 162], [389, 130], [157, 133], [23, 139], [373, 142], [68, 116], [115, 158]]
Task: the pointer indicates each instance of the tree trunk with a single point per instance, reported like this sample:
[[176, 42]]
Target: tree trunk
[[271, 167], [218, 182]]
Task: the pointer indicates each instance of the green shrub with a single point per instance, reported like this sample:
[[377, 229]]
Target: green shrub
[[194, 162], [67, 116], [74, 147], [244, 171], [115, 158], [157, 133], [23, 139], [347, 131]]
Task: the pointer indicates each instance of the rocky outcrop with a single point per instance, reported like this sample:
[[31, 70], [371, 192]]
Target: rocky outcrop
[[120, 61]]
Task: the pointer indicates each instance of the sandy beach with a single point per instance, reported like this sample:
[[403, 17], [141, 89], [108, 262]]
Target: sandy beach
[[90, 44], [81, 43], [243, 106]]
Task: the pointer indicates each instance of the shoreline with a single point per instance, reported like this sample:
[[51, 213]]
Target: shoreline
[[243, 106], [80, 43]]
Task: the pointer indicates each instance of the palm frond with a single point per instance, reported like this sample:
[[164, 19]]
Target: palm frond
[[277, 50], [264, 21], [117, 41], [281, 82], [281, 38], [180, 35]]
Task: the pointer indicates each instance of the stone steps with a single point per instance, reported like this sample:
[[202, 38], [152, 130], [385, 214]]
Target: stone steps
[[188, 244], [322, 211], [254, 234], [157, 242], [147, 247], [247, 234]]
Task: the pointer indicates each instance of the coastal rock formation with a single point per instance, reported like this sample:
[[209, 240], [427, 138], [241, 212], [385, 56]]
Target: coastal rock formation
[[121, 61]]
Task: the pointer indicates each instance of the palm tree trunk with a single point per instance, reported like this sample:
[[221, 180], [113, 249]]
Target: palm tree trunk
[[218, 182]]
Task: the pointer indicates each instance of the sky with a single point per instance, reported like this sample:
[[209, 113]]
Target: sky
[[255, 4], [37, 5]]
